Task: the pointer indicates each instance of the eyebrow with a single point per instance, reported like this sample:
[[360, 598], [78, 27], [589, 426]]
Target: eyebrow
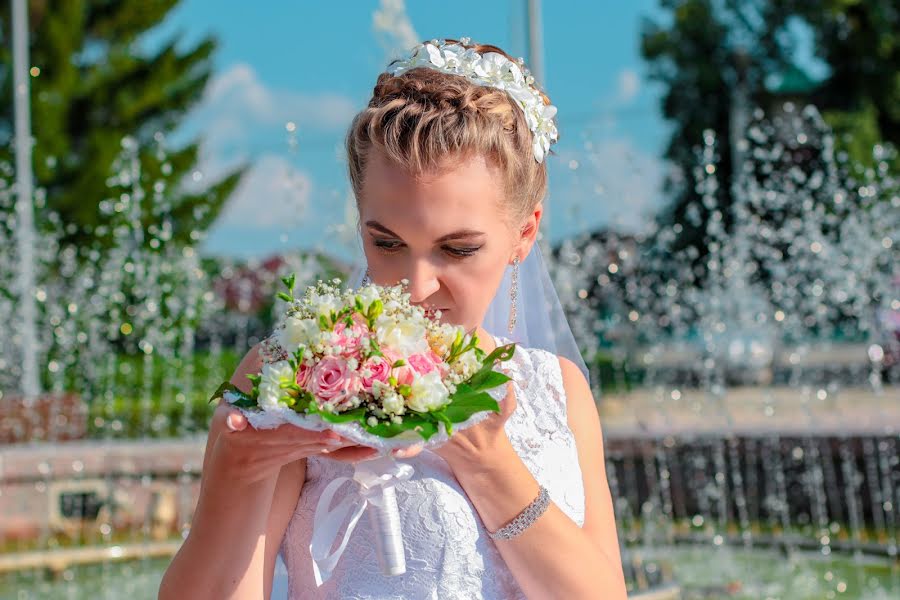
[[456, 235]]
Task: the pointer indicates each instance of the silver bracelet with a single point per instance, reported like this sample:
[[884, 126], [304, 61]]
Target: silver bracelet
[[525, 518]]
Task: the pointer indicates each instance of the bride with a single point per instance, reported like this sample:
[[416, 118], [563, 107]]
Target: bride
[[447, 166]]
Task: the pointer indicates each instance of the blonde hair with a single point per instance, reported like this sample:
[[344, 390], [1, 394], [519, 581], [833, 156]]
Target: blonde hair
[[424, 119]]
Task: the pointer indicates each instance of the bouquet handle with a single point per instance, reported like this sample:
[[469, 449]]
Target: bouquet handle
[[384, 517], [375, 490]]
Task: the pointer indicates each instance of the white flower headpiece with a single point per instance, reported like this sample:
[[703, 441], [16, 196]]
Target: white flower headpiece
[[490, 69]]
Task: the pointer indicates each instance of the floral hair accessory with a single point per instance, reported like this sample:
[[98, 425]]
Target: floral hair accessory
[[490, 69]]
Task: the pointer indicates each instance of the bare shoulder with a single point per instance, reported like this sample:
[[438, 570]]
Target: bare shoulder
[[573, 378], [581, 409]]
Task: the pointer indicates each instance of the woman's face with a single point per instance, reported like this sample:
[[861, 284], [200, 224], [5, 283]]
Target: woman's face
[[446, 233]]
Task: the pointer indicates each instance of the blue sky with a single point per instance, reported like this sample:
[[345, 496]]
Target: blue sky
[[313, 64]]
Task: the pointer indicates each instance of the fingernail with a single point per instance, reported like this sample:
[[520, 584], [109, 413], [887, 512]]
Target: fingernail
[[230, 421]]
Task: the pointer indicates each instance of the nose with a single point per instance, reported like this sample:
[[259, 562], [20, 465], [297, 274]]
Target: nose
[[423, 281]]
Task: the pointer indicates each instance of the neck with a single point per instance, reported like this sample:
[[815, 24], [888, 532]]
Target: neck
[[485, 339]]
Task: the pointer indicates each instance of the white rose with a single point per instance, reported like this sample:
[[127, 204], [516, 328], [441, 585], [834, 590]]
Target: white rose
[[428, 392], [298, 332], [406, 336], [273, 374]]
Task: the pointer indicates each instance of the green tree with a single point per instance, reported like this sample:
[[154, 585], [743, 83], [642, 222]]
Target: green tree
[[859, 40], [713, 54], [709, 52], [92, 86]]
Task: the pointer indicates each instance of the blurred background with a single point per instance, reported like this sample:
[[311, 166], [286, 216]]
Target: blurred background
[[722, 224]]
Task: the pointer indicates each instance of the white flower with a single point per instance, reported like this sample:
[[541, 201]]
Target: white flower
[[428, 393], [404, 335], [393, 403], [273, 374], [324, 304], [466, 364], [367, 296], [442, 337], [298, 332]]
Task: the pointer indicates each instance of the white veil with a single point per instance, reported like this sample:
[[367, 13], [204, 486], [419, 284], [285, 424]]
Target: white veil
[[540, 320]]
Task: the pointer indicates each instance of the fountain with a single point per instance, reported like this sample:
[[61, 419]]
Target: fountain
[[753, 412]]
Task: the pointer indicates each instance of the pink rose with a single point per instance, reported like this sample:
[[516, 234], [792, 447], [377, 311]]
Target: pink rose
[[404, 374], [380, 371], [332, 381], [303, 376], [350, 344], [422, 363]]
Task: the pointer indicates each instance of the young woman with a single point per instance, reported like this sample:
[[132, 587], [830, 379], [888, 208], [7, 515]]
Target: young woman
[[447, 165]]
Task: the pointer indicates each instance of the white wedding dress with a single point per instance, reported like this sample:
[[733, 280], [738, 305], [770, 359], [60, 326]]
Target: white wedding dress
[[448, 552]]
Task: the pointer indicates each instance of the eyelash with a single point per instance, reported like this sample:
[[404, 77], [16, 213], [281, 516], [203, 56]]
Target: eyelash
[[390, 247]]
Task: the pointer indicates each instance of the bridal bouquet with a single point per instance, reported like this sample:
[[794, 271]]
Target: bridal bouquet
[[379, 371]]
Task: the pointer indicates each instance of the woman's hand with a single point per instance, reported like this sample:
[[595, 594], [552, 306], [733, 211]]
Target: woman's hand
[[476, 445], [243, 454]]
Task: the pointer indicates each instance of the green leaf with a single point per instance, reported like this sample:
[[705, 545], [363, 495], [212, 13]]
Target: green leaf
[[226, 386], [323, 323], [486, 380], [245, 402], [423, 427], [357, 414], [441, 416], [502, 353], [375, 310], [289, 281], [463, 407]]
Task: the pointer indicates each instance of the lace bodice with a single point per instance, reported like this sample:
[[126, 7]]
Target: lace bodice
[[448, 552]]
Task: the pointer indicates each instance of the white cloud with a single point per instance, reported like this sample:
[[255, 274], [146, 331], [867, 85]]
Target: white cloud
[[272, 195], [393, 28], [237, 107], [629, 84]]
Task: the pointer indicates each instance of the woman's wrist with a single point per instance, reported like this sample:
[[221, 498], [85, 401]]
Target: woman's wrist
[[482, 463], [499, 486]]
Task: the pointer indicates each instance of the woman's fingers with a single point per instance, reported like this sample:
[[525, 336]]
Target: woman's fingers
[[407, 452], [351, 453], [236, 421]]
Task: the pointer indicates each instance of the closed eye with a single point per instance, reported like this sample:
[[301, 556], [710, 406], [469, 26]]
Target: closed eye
[[385, 245], [462, 252], [389, 247]]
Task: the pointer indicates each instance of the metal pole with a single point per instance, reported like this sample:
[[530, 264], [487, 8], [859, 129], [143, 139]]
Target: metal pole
[[24, 201], [536, 41]]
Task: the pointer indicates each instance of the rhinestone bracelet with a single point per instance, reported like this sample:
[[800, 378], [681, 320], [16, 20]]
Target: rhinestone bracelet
[[525, 518]]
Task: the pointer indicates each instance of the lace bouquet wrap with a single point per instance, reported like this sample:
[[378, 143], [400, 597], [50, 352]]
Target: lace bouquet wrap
[[378, 371]]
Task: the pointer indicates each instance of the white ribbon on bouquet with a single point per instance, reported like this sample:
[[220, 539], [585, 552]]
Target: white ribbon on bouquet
[[375, 481]]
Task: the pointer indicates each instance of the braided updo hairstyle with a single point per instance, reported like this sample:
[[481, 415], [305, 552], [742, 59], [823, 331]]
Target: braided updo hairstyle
[[424, 120]]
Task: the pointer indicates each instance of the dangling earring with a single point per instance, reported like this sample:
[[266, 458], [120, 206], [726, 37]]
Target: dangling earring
[[365, 280], [513, 294]]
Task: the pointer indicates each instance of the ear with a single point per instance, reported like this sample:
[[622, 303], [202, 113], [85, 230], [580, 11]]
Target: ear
[[528, 231]]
